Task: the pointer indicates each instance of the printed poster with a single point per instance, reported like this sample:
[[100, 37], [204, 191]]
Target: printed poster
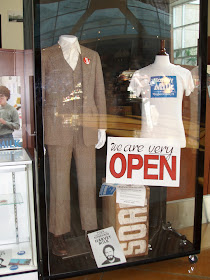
[[163, 86]]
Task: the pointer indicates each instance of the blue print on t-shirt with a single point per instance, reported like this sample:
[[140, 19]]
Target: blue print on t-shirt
[[163, 86]]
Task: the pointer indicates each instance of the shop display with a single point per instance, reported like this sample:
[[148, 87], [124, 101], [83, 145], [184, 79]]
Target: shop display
[[101, 149], [110, 105]]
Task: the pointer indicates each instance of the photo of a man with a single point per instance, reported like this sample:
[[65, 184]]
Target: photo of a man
[[108, 251]]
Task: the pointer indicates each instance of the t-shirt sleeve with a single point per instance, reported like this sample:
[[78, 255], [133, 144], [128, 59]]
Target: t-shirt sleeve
[[189, 84]]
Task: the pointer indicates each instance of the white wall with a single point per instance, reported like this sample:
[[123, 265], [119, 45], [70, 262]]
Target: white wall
[[12, 32]]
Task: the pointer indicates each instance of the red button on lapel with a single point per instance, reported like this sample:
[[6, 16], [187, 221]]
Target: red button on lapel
[[86, 60]]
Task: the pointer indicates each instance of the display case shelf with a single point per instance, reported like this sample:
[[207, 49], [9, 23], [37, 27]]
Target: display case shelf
[[11, 198]]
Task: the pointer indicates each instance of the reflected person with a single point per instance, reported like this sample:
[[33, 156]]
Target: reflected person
[[9, 118]]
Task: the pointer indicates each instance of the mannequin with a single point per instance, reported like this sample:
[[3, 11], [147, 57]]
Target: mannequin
[[162, 61], [74, 123], [162, 85]]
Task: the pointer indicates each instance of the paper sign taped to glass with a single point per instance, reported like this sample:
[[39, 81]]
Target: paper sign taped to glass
[[143, 161], [126, 194]]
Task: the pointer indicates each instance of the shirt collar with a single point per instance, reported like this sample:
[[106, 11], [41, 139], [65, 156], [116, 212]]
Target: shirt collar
[[76, 46], [67, 47]]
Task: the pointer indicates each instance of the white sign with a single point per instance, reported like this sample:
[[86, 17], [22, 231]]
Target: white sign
[[131, 195], [106, 247], [142, 161]]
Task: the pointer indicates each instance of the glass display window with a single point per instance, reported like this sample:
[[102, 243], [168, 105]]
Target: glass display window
[[118, 108]]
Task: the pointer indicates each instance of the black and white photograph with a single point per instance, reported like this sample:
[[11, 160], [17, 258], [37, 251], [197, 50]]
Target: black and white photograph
[[109, 253], [106, 247]]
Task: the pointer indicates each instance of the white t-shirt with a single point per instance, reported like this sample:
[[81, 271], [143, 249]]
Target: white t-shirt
[[162, 90]]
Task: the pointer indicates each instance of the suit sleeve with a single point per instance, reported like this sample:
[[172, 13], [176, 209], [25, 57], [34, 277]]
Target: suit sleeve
[[100, 98]]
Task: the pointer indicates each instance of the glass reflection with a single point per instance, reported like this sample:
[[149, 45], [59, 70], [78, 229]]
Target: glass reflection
[[141, 102]]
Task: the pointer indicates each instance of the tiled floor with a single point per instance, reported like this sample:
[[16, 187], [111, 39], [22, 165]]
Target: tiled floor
[[176, 269]]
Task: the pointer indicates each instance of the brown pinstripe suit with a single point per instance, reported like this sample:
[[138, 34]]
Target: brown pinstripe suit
[[72, 127]]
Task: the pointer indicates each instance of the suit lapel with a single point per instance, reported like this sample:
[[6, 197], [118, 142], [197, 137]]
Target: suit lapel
[[86, 68], [57, 58]]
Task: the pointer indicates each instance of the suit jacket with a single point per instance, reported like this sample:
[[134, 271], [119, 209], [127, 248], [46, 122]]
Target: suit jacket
[[58, 129]]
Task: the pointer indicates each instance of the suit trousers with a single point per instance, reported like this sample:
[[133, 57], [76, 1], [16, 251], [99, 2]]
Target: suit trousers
[[60, 165]]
